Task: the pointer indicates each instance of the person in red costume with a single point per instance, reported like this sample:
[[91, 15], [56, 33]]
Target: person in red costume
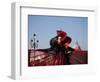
[[60, 44], [56, 42]]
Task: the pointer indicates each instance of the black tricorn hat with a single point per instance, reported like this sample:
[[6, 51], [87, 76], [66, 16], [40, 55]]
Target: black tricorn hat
[[67, 40]]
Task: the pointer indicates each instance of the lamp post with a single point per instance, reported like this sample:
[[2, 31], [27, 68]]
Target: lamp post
[[34, 44], [37, 43]]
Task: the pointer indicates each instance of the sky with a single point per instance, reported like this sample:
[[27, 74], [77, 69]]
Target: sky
[[45, 28]]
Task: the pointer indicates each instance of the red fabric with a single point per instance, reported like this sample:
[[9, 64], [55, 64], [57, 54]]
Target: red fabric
[[77, 57], [67, 40], [62, 34]]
